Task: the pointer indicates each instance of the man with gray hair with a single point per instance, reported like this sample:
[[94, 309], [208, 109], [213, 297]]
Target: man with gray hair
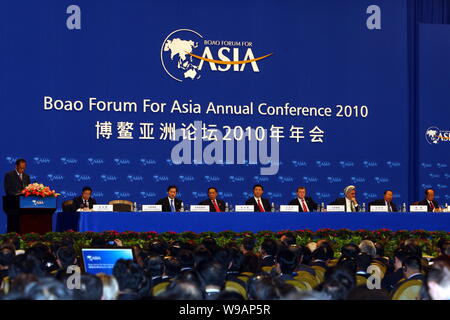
[[349, 201], [368, 247]]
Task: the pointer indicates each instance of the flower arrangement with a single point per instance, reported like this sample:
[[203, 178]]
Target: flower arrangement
[[390, 239], [39, 190]]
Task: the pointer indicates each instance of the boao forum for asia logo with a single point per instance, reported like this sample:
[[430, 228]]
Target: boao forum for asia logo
[[434, 135], [185, 53]]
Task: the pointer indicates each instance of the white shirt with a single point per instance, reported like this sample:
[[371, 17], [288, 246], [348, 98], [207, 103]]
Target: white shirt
[[348, 206], [260, 201], [19, 174], [388, 205], [301, 203]]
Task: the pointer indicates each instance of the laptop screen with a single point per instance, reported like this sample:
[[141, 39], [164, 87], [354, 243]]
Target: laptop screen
[[96, 260]]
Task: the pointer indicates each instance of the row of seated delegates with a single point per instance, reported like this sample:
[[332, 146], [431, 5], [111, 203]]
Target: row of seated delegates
[[16, 180], [272, 270], [305, 204]]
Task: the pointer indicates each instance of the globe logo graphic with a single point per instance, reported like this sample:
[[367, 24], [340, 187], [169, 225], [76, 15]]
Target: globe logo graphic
[[175, 58], [432, 135]]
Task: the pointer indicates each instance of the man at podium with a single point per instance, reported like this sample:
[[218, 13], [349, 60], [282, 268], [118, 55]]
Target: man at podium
[[16, 180]]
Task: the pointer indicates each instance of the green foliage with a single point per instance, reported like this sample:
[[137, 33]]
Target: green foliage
[[390, 239]]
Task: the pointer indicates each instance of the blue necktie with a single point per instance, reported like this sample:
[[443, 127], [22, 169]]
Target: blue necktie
[[172, 207]]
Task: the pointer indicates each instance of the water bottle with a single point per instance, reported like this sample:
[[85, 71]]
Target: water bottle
[[322, 207], [182, 207], [227, 208], [446, 207], [272, 207], [134, 206], [363, 207], [404, 207]]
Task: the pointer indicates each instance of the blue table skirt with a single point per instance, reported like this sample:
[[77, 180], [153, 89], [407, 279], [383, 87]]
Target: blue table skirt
[[247, 221]]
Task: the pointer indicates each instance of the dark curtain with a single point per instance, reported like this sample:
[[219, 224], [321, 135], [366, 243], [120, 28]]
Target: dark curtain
[[419, 11], [433, 11]]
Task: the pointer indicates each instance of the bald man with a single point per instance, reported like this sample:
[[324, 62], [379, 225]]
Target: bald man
[[350, 203]]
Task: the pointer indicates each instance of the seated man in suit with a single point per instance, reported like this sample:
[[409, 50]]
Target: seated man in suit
[[386, 201], [215, 205], [260, 204], [350, 203], [433, 205], [16, 180], [84, 202], [268, 250], [305, 204], [412, 270], [171, 203]]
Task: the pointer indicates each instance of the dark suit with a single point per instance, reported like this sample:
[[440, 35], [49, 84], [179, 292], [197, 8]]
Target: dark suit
[[390, 280], [319, 263], [79, 203], [424, 202], [13, 184], [208, 202], [342, 202], [166, 204], [312, 206], [264, 202], [382, 202], [268, 261]]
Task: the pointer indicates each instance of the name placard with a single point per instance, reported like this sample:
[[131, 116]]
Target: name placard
[[199, 208], [103, 207], [378, 209], [152, 207], [244, 208], [289, 208], [335, 208], [418, 208]]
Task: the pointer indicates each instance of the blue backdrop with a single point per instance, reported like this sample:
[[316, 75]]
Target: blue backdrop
[[325, 54]]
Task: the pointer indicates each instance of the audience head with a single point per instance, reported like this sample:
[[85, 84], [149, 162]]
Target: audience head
[[66, 256], [269, 247], [411, 265], [286, 262], [91, 288], [248, 244], [368, 247], [438, 279], [47, 289], [110, 286], [129, 275], [338, 283], [212, 274], [323, 253], [172, 267]]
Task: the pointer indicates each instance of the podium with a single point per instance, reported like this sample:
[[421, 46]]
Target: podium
[[29, 214]]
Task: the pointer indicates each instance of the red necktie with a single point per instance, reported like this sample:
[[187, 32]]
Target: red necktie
[[216, 206], [261, 208], [305, 208], [431, 205]]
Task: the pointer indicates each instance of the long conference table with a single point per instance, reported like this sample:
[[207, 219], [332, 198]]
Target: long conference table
[[247, 221]]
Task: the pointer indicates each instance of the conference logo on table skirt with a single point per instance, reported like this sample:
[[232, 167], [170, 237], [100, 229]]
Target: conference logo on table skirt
[[434, 135], [186, 54]]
